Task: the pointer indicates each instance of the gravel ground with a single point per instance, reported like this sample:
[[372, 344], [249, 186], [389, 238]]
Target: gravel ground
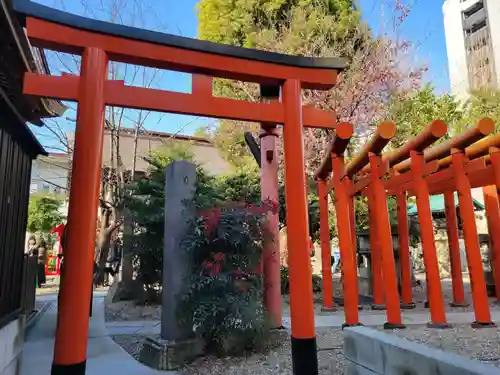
[[480, 344], [275, 362], [128, 311]]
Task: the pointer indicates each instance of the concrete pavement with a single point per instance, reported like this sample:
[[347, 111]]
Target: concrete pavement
[[409, 318], [335, 320], [104, 356]]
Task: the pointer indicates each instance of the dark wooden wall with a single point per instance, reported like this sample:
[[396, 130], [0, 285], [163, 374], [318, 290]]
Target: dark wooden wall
[[15, 175]]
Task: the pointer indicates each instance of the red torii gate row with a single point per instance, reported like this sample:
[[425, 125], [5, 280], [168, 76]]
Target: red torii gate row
[[465, 161], [281, 77]]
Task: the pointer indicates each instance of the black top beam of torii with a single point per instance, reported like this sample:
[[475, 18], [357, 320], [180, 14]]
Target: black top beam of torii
[[254, 147]]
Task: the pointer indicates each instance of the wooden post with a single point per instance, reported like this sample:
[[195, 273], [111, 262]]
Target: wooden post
[[70, 348], [474, 260], [350, 277], [454, 250], [383, 226], [304, 355], [404, 251], [326, 258], [434, 290]]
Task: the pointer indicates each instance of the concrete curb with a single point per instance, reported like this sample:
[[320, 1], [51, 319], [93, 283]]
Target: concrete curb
[[31, 323]]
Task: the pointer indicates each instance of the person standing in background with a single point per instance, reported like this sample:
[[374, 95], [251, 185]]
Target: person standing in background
[[113, 261], [32, 247], [335, 254], [42, 261]]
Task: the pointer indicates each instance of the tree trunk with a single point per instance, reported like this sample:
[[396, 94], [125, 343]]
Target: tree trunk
[[104, 242], [127, 269]]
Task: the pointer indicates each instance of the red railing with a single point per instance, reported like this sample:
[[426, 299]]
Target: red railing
[[53, 266]]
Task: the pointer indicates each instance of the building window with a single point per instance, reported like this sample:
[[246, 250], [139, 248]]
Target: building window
[[473, 10]]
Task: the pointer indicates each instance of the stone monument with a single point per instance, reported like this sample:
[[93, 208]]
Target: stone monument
[[177, 344]]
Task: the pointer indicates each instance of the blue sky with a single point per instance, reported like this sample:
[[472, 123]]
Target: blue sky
[[423, 26]]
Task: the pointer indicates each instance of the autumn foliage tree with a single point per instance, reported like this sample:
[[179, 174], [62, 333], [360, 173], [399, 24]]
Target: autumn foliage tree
[[379, 67]]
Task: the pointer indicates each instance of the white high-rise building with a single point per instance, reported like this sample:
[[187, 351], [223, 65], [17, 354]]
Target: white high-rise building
[[472, 30]]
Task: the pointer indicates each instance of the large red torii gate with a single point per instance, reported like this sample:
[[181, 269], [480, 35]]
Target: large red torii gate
[[100, 42]]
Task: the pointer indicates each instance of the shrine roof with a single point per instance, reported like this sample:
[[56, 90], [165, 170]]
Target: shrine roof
[[437, 205], [32, 9]]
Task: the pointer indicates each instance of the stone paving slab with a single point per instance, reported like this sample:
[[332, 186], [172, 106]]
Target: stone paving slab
[[104, 356], [133, 323], [336, 320], [152, 327]]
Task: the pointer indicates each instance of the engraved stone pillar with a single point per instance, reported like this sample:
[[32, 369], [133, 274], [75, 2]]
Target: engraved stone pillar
[[177, 345]]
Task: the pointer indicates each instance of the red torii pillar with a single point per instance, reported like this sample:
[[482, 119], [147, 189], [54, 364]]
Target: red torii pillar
[[404, 251], [269, 193], [495, 162], [377, 278], [478, 284], [394, 320], [344, 133], [454, 250], [491, 204], [361, 163], [352, 215], [349, 269], [75, 296], [326, 259], [269, 197], [303, 331], [434, 290]]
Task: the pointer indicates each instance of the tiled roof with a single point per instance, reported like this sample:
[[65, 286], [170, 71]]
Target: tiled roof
[[18, 57]]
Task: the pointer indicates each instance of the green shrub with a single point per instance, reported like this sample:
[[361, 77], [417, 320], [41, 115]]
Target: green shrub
[[317, 286], [223, 292], [285, 282]]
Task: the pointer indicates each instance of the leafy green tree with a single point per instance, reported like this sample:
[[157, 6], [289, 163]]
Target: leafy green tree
[[238, 22], [202, 131], [229, 140], [482, 103], [301, 26], [412, 113], [146, 201], [329, 28], [44, 213]]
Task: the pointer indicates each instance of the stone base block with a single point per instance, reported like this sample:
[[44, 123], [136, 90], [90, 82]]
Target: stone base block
[[394, 326], [278, 336], [477, 324], [328, 309], [125, 291], [459, 304], [168, 355], [407, 306], [439, 325]]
